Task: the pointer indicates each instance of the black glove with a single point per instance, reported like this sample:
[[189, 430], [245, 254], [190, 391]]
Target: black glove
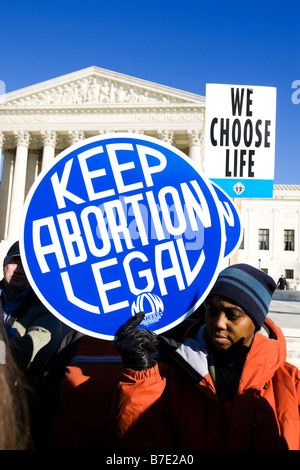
[[136, 344]]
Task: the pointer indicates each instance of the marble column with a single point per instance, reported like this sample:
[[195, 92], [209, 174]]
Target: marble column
[[18, 188], [195, 144], [49, 141]]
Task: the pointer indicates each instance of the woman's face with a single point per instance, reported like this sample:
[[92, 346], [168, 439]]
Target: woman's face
[[226, 323]]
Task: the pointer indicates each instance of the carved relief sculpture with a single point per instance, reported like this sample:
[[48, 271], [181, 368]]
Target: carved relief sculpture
[[91, 90]]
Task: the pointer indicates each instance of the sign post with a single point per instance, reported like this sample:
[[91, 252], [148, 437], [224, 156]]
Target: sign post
[[240, 139], [122, 223]]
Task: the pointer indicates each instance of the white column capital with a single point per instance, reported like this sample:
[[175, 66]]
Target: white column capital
[[136, 131], [166, 135], [105, 131], [76, 136], [195, 137], [49, 138], [22, 138]]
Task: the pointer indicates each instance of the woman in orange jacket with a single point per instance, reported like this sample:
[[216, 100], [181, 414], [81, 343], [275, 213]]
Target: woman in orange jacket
[[227, 386]]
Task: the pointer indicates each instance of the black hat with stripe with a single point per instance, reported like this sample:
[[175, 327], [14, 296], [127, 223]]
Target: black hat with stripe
[[247, 287]]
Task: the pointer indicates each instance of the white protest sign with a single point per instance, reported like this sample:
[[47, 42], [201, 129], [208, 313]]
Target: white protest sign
[[240, 139]]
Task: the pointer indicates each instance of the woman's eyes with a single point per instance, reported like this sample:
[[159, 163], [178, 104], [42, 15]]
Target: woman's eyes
[[233, 315], [230, 314]]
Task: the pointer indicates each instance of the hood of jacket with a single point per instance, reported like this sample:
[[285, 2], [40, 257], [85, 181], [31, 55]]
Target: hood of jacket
[[267, 353]]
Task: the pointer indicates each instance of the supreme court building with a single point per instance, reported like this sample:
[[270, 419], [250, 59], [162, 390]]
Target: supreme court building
[[40, 121]]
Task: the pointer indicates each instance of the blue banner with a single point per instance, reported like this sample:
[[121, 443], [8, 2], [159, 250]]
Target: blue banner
[[237, 188]]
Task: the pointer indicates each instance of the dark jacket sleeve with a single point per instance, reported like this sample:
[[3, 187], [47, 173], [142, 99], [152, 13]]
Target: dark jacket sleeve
[[38, 336]]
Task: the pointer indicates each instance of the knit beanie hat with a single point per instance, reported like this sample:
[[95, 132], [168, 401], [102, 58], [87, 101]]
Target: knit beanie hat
[[14, 250], [247, 287]]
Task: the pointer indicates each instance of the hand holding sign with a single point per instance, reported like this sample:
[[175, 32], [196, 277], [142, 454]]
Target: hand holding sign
[[136, 344], [122, 223]]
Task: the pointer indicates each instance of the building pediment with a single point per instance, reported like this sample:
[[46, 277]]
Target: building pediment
[[94, 86]]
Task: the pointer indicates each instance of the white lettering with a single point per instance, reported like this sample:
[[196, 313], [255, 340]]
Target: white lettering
[[174, 270], [60, 187], [54, 247], [92, 233], [114, 210], [118, 167], [103, 287], [133, 200], [193, 206], [147, 274], [190, 275], [89, 175], [101, 228], [227, 213], [93, 230], [71, 234], [167, 213], [155, 216], [149, 170], [75, 300]]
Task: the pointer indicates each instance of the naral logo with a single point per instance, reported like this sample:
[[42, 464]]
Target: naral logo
[[151, 304]]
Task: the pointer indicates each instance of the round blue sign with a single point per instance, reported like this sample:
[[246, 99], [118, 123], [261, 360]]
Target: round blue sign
[[122, 223], [233, 226]]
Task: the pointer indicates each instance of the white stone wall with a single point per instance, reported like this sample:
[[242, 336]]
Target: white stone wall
[[280, 213]]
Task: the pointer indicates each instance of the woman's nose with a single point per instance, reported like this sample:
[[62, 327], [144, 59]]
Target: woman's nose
[[220, 321]]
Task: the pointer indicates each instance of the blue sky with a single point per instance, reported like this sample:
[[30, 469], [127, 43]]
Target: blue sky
[[181, 44]]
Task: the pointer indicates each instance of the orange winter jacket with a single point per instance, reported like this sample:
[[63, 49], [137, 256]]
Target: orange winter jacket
[[176, 407]]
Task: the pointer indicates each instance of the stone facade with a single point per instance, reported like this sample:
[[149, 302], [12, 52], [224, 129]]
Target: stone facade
[[272, 234]]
